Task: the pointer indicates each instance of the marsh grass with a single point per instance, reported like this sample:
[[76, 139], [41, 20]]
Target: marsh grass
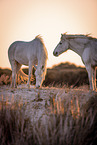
[[67, 123], [61, 106], [14, 125], [71, 126]]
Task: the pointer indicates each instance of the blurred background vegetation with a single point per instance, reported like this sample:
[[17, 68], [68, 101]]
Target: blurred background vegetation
[[63, 74]]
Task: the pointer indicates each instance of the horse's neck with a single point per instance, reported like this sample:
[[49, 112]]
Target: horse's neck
[[76, 47], [42, 58]]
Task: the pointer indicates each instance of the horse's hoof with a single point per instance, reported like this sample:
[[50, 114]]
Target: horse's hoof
[[37, 87], [28, 86]]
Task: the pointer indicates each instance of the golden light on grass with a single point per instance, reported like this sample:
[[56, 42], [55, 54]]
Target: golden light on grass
[[11, 104], [75, 108], [56, 107], [61, 106], [63, 125]]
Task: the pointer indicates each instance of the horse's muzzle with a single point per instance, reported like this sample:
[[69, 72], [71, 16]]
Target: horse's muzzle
[[37, 87], [55, 53]]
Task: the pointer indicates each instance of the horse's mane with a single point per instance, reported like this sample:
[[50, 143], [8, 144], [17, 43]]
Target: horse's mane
[[38, 37], [69, 36]]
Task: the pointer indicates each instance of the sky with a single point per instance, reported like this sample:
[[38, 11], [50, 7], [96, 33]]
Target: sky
[[24, 19]]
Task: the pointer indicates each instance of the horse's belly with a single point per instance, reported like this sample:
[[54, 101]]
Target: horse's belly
[[25, 60], [94, 61], [22, 61], [94, 57], [21, 56]]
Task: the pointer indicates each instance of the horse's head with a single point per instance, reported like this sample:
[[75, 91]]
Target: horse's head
[[62, 46], [40, 75]]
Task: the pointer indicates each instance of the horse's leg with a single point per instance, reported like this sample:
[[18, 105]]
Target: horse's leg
[[12, 85], [90, 76], [18, 66], [30, 73], [13, 65], [94, 78]]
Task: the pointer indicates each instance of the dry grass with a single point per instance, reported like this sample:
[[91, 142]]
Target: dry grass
[[68, 121], [71, 117], [14, 125]]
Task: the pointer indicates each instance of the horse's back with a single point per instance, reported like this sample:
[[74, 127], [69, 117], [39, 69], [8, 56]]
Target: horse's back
[[25, 52], [22, 51]]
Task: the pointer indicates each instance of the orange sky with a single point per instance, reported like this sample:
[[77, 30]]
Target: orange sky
[[24, 19]]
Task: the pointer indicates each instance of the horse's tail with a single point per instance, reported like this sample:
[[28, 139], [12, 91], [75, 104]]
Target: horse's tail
[[23, 74]]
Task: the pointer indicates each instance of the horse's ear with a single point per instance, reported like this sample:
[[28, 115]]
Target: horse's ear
[[61, 35]]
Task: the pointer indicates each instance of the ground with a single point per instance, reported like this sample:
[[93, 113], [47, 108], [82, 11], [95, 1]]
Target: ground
[[38, 101]]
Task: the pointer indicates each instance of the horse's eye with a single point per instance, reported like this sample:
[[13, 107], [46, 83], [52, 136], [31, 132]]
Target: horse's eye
[[42, 67], [60, 43]]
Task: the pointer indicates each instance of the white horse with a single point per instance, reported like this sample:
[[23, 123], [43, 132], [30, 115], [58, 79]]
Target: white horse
[[84, 46], [30, 54]]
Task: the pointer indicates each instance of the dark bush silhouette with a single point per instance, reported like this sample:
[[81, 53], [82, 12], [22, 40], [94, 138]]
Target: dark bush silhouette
[[66, 74], [59, 75]]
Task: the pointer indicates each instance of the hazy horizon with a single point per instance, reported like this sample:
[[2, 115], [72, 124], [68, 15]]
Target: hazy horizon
[[23, 20]]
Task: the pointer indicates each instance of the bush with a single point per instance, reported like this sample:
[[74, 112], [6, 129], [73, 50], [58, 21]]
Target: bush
[[64, 74]]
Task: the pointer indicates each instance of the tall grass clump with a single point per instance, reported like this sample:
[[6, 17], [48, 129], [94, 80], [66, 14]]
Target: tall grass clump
[[69, 128], [64, 124], [15, 126]]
